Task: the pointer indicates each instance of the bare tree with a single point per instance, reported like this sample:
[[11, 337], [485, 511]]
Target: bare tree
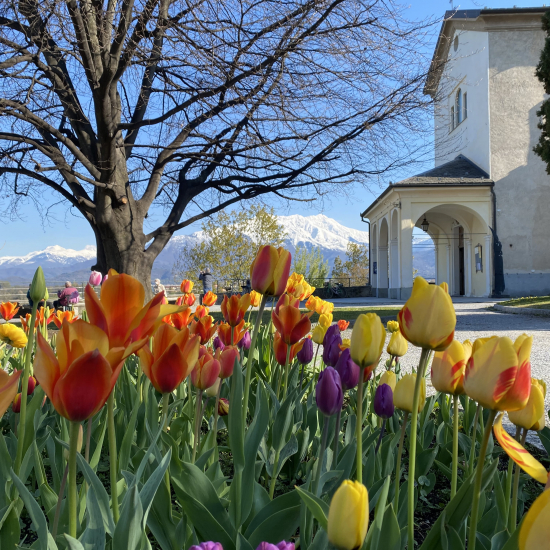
[[175, 109]]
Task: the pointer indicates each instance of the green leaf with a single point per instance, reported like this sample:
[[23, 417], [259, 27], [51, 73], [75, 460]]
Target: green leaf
[[281, 525], [10, 532], [150, 487], [93, 537], [500, 539], [73, 544], [375, 531], [285, 501], [390, 535], [282, 423], [128, 531], [316, 506], [34, 405], [513, 541], [127, 440]]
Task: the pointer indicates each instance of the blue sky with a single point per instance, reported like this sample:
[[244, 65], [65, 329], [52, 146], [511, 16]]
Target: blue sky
[[63, 228]]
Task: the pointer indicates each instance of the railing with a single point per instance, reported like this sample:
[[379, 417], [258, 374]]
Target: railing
[[19, 293]]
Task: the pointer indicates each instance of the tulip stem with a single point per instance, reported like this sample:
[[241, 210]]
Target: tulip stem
[[251, 356], [59, 501], [216, 414], [359, 434], [113, 454], [424, 358], [138, 383], [513, 515], [75, 429], [477, 482], [473, 445], [382, 430], [319, 465], [287, 368], [337, 437], [454, 479], [198, 420], [509, 476], [165, 403], [398, 465], [274, 475], [25, 391]]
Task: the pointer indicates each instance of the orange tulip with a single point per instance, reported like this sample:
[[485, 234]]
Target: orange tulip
[[224, 332], [8, 310], [59, 316], [172, 359], [448, 369], [280, 349], [8, 388], [298, 287], [204, 327], [187, 286], [227, 361], [343, 325], [120, 312], [255, 298], [209, 299], [428, 318], [207, 369], [186, 300], [498, 375], [286, 300], [269, 270], [234, 308], [79, 380], [182, 318], [291, 324], [201, 311], [25, 322]]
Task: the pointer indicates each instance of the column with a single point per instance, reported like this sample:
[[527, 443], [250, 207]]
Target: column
[[468, 266], [436, 254], [449, 281], [487, 267]]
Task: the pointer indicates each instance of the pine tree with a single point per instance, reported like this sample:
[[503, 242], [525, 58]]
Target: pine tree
[[542, 149]]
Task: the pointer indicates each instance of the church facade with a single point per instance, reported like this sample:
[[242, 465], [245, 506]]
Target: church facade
[[486, 202]]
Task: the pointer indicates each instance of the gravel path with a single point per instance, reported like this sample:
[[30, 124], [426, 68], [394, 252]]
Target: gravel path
[[474, 320]]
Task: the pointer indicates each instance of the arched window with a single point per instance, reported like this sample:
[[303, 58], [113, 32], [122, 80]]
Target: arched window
[[465, 106], [452, 118], [458, 101]]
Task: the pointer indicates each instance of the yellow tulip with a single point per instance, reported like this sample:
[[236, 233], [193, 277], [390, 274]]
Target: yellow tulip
[[531, 415], [13, 336], [325, 320], [498, 375], [448, 369], [428, 318], [392, 326], [367, 340], [348, 516], [404, 393], [397, 345], [388, 378], [478, 342], [346, 343], [468, 347], [535, 529], [318, 334]]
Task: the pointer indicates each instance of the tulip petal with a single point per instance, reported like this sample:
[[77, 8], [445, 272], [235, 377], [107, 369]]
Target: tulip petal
[[94, 309], [168, 371], [46, 366], [84, 387], [521, 456], [535, 529], [8, 389], [262, 268]]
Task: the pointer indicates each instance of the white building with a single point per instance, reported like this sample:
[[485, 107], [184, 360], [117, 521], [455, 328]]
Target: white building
[[486, 177]]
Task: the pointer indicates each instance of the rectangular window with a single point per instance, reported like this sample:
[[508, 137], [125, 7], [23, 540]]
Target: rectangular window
[[465, 105], [452, 118]]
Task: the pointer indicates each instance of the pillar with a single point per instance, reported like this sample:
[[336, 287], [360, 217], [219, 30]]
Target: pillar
[[449, 278], [488, 268], [468, 266]]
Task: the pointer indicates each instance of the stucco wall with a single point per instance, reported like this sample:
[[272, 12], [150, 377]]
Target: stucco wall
[[522, 186]]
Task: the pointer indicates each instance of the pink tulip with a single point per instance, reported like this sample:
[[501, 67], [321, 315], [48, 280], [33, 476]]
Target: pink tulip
[[95, 278]]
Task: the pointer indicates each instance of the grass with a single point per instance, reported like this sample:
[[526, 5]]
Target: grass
[[345, 313], [536, 302]]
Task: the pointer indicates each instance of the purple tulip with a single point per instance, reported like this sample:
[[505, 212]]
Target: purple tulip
[[383, 401], [283, 545], [207, 546], [331, 332], [218, 344], [305, 355], [245, 341], [331, 349], [95, 278], [348, 370], [328, 392]]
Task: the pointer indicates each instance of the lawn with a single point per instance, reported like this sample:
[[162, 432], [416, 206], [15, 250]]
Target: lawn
[[535, 302]]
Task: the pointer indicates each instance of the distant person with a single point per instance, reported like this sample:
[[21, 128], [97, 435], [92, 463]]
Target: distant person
[[158, 287], [206, 278], [246, 287], [40, 304], [67, 296]]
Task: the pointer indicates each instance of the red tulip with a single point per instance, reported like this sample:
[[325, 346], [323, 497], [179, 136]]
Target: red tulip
[[343, 325], [182, 318], [187, 286], [227, 361], [8, 310], [291, 323], [269, 270], [225, 330], [286, 300], [280, 349], [234, 308], [206, 371], [186, 300], [204, 327], [16, 404]]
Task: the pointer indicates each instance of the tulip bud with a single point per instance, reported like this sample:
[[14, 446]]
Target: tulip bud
[[328, 392], [269, 270], [305, 355], [331, 332], [78, 443], [46, 295], [367, 340], [95, 278], [530, 415], [223, 407], [348, 516], [206, 371], [388, 378], [212, 391], [383, 401], [32, 385], [245, 341], [349, 372], [53, 340], [227, 361], [38, 286], [218, 344], [16, 405], [318, 334], [331, 350], [186, 286], [207, 546], [397, 346], [392, 326], [342, 325], [404, 393]]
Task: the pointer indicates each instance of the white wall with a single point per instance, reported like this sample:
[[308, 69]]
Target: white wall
[[467, 69]]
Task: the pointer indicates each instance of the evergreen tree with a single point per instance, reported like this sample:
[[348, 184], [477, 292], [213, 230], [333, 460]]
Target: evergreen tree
[[542, 149], [311, 264]]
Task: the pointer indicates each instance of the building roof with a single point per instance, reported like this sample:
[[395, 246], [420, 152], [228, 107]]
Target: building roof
[[443, 40], [460, 171]]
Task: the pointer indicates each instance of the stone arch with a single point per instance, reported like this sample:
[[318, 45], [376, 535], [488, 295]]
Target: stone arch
[[394, 267]]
